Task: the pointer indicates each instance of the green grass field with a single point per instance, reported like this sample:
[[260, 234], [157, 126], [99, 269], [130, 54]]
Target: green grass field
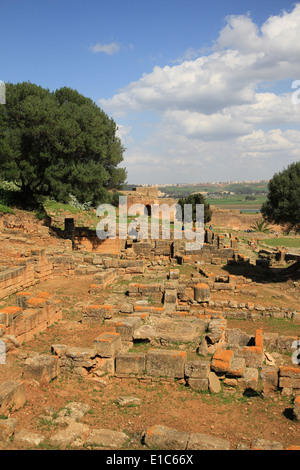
[[237, 200], [288, 242], [57, 207]]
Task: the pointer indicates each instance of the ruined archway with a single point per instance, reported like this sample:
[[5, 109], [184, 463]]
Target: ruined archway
[[148, 210]]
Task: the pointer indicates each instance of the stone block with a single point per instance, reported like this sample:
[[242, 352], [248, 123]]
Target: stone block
[[12, 396], [174, 274], [216, 330], [250, 379], [105, 365], [253, 356], [201, 292], [133, 288], [235, 336], [223, 286], [197, 369], [42, 368], [264, 444], [130, 363], [221, 361], [164, 438], [182, 331], [237, 367], [22, 299], [9, 314], [199, 441], [289, 377], [270, 340], [284, 343], [270, 379], [127, 326], [198, 384], [81, 357], [105, 438], [107, 344], [97, 313], [67, 436], [170, 296], [165, 363], [126, 308]]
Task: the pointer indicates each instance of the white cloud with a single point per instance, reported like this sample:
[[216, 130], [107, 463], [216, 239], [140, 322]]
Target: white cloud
[[109, 49], [214, 120], [123, 132]]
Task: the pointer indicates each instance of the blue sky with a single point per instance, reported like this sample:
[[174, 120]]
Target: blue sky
[[201, 91]]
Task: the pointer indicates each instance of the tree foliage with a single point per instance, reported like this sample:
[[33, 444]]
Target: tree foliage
[[261, 226], [57, 143], [195, 199], [283, 201]]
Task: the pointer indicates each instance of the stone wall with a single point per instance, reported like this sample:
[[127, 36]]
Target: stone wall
[[32, 314], [14, 279], [29, 271]]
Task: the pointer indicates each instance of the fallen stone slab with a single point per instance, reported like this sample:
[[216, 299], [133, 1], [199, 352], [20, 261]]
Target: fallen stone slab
[[67, 436], [12, 396], [214, 383], [74, 410], [179, 331], [42, 368], [199, 441], [128, 401], [31, 439], [164, 438], [106, 438], [264, 444], [145, 333]]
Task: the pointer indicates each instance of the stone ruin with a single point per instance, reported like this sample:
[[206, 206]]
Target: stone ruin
[[222, 356], [174, 319]]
